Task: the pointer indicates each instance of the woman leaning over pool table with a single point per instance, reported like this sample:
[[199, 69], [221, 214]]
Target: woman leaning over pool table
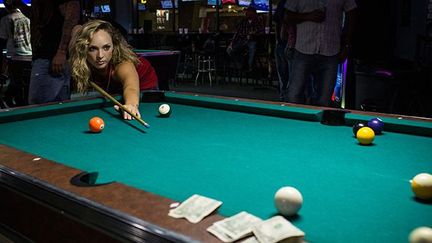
[[99, 53]]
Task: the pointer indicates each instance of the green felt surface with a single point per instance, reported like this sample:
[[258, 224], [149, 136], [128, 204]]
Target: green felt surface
[[352, 193], [145, 52]]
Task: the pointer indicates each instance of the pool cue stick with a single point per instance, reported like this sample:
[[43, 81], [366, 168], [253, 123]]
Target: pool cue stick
[[105, 94]]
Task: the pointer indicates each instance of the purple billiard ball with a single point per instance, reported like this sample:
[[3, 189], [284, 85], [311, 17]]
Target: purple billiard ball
[[376, 124]]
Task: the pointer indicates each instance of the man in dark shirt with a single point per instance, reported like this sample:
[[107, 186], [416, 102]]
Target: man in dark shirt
[[285, 41], [244, 39], [51, 27]]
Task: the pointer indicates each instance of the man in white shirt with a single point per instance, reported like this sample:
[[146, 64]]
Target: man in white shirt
[[320, 45]]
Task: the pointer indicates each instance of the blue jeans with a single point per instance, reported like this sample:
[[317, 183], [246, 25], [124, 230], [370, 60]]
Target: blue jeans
[[47, 87], [251, 52], [240, 49], [283, 68], [322, 70]]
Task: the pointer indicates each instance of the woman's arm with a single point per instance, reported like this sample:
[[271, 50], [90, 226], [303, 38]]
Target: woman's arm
[[128, 76]]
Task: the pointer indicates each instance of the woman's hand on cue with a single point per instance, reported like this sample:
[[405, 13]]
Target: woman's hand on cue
[[132, 108]]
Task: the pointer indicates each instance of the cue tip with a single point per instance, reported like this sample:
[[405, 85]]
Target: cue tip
[[142, 121]]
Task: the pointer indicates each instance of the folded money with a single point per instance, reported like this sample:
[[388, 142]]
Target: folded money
[[277, 229], [235, 227], [195, 208]]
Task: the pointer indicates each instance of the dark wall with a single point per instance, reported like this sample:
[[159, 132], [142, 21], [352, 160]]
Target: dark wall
[[124, 13], [388, 29], [375, 30], [411, 23]]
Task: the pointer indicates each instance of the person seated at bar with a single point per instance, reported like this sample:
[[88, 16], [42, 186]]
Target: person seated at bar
[[99, 53], [244, 40]]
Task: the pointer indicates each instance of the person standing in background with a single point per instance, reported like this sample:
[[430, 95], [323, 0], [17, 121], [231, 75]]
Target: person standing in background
[[319, 46], [52, 22], [15, 36], [285, 40], [244, 40]]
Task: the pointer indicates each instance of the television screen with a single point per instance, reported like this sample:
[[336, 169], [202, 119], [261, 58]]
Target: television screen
[[141, 7], [96, 9], [228, 1], [26, 2], [244, 3], [261, 5], [213, 2], [105, 8], [167, 4]]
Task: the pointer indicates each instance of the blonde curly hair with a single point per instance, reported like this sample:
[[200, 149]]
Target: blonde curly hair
[[81, 69]]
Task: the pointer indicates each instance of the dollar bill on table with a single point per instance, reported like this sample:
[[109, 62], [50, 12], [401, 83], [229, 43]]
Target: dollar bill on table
[[219, 233], [251, 239], [277, 229], [195, 208], [235, 227]]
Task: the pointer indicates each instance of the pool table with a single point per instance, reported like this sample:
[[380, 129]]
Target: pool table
[[59, 178], [165, 63]]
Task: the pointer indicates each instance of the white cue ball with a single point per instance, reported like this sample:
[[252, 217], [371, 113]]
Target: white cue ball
[[288, 201], [421, 185], [421, 235], [164, 110]]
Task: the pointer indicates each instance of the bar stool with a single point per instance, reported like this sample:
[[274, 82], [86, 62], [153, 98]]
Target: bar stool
[[188, 67], [205, 65]]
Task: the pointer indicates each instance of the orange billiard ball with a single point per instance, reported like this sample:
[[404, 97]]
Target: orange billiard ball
[[96, 124], [365, 135]]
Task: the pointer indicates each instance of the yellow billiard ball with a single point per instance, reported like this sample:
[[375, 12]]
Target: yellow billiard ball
[[288, 201], [365, 135], [421, 185]]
